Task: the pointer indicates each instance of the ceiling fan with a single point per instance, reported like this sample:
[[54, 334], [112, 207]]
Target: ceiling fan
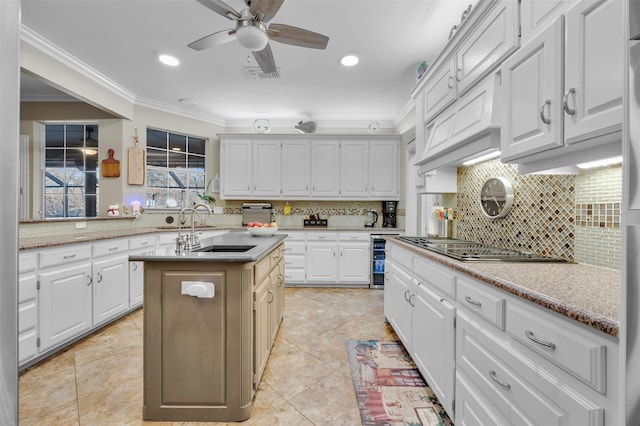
[[254, 32]]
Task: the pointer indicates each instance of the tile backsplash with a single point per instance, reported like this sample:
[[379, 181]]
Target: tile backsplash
[[573, 217]]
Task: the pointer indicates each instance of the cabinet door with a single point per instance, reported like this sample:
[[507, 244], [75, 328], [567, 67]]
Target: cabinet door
[[266, 168], [492, 41], [261, 337], [531, 84], [354, 169], [322, 261], [236, 168], [110, 288], [593, 75], [136, 283], [441, 90], [535, 15], [383, 169], [398, 289], [433, 343], [65, 303], [27, 316], [353, 266], [273, 310], [325, 169], [296, 168]]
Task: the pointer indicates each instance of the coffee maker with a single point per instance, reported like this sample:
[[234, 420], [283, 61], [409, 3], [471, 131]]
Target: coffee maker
[[389, 214]]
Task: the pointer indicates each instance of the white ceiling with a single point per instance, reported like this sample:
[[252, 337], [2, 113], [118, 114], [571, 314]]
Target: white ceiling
[[121, 39]]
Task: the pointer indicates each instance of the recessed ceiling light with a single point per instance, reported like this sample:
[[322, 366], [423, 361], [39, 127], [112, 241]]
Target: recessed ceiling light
[[169, 60], [349, 60]]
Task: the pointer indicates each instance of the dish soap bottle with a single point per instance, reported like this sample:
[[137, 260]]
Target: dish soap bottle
[[287, 209]]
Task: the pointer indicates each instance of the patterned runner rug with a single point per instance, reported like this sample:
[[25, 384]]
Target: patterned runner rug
[[389, 387]]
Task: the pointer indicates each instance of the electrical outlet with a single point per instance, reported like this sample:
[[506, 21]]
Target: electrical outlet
[[81, 225], [218, 210]]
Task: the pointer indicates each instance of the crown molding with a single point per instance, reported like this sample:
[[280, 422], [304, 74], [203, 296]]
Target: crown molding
[[180, 111], [39, 42]]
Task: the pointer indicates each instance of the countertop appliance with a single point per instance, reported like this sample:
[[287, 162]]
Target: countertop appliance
[[378, 257], [389, 214], [257, 212], [465, 250], [372, 218]]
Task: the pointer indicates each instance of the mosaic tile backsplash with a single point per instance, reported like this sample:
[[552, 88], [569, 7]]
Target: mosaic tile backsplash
[[573, 217]]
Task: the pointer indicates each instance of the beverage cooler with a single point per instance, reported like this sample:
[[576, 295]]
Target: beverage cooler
[[377, 261]]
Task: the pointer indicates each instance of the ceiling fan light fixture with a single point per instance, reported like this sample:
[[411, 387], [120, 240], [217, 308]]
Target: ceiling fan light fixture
[[251, 35], [349, 60]]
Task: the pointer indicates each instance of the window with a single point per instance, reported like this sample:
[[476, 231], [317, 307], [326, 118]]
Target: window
[[70, 170], [175, 169]]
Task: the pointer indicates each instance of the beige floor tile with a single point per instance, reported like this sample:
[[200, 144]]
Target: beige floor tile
[[98, 380]]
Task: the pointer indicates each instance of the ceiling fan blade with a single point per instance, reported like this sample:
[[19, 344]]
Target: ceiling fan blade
[[221, 8], [297, 36], [215, 39], [265, 59], [264, 10]]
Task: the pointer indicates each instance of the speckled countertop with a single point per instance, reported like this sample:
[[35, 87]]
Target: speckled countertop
[[588, 294]]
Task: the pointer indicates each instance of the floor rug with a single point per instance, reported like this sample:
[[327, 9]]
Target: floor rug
[[389, 388]]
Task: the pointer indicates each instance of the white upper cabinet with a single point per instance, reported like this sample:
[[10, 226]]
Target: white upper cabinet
[[536, 15], [267, 165], [296, 168], [564, 87], [325, 171], [347, 167], [236, 167], [441, 90]]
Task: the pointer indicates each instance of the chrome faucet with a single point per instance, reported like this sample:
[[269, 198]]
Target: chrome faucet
[[191, 241]]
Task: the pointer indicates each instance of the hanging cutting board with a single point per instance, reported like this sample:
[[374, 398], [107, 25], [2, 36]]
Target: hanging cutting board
[[135, 166], [110, 166]]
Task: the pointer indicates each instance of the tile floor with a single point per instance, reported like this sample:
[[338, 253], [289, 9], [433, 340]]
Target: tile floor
[[98, 381]]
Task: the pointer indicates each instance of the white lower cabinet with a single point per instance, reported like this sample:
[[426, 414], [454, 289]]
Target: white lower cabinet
[[322, 261], [27, 307], [110, 279], [136, 283], [65, 302], [493, 358]]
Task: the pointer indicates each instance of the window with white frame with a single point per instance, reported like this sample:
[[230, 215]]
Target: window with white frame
[[175, 169], [70, 178]]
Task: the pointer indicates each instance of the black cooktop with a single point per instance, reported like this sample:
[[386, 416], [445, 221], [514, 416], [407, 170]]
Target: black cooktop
[[471, 251]]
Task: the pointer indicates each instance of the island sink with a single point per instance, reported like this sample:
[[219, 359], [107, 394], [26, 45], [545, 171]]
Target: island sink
[[225, 248]]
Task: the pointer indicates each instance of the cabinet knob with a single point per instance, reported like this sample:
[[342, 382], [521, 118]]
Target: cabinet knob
[[544, 119], [565, 102], [450, 82]]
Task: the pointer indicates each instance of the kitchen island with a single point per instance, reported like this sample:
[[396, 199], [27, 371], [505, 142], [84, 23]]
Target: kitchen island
[[210, 318]]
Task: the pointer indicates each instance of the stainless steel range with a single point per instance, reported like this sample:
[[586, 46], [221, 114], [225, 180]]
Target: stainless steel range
[[471, 251]]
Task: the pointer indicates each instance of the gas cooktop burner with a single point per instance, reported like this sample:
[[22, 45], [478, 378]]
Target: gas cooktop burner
[[471, 251]]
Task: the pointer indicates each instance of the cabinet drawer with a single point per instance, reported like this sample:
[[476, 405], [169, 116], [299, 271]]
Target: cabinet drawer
[[27, 316], [27, 287], [431, 273], [110, 247], [563, 345], [262, 269], [167, 238], [294, 275], [402, 257], [147, 241], [27, 262], [479, 299], [294, 262], [27, 345], [522, 392], [322, 236], [294, 247], [62, 256], [276, 255], [354, 236], [295, 236]]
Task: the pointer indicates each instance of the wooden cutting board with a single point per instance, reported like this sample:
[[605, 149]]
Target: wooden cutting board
[[135, 166], [110, 166]]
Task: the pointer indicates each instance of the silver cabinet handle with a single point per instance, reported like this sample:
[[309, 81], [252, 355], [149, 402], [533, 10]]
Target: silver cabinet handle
[[504, 384], [70, 256], [533, 338], [410, 300], [450, 82], [472, 302], [90, 280], [113, 248], [99, 277], [135, 267], [405, 295], [144, 243], [544, 119], [565, 102], [270, 294], [458, 74]]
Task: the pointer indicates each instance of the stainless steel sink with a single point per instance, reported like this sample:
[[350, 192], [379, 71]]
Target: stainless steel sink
[[225, 248]]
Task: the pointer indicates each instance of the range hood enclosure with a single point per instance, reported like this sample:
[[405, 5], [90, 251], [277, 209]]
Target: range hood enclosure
[[467, 128]]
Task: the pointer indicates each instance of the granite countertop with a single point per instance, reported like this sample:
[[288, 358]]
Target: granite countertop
[[260, 246], [588, 294]]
